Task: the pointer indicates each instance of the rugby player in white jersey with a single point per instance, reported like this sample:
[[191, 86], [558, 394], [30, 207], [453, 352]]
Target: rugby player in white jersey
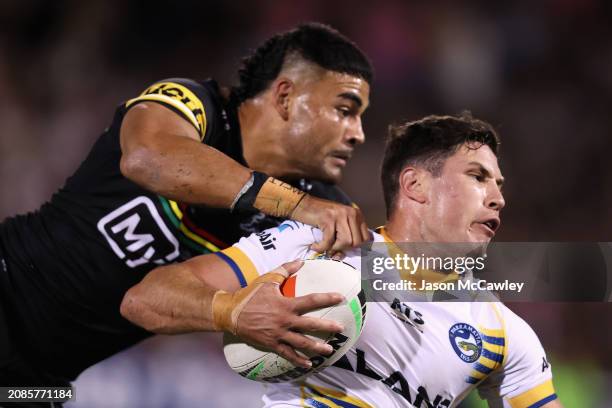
[[442, 183]]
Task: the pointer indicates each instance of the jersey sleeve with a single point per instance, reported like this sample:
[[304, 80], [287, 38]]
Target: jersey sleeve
[[264, 251], [183, 96], [525, 378]]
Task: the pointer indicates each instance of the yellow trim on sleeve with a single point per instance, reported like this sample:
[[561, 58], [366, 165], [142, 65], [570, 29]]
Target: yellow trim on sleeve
[[170, 101], [500, 317], [243, 262], [330, 393], [179, 97], [532, 396]]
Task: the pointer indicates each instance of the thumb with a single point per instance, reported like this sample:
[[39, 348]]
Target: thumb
[[279, 274], [289, 268]]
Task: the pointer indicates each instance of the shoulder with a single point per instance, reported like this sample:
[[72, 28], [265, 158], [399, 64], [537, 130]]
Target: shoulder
[[525, 377], [196, 101], [524, 345]]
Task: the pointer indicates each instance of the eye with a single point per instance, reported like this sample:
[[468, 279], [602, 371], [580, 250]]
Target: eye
[[479, 177], [344, 111]]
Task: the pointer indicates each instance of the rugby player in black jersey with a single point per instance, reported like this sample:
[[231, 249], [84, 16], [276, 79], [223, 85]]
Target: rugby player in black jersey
[[186, 168]]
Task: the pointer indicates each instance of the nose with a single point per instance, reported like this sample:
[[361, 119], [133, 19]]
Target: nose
[[495, 198], [355, 135]]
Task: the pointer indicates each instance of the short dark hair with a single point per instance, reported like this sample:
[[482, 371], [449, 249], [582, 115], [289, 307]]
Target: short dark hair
[[315, 42], [428, 142]]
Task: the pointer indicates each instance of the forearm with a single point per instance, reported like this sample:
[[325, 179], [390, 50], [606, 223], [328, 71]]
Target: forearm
[[162, 152], [185, 170], [170, 300]]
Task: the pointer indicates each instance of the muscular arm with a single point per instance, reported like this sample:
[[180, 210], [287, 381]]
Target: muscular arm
[[175, 299], [162, 153], [183, 298]]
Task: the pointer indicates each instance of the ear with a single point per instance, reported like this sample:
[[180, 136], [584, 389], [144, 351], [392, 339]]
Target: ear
[[414, 183], [282, 91]]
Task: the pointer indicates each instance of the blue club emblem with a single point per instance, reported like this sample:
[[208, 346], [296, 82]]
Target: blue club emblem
[[466, 342]]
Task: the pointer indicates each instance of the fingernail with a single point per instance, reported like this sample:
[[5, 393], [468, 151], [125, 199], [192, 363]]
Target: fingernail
[[308, 364], [328, 349]]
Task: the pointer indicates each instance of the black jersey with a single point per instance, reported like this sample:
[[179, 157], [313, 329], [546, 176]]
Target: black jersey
[[70, 263]]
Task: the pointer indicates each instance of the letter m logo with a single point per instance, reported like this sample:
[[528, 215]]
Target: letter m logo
[[136, 233]]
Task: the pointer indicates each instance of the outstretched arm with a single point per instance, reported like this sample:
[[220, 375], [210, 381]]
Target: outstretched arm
[[191, 296]]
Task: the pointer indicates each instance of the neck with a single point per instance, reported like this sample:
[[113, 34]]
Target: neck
[[401, 227], [261, 147]]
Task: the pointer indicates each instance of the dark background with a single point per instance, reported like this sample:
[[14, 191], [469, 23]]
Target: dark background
[[539, 71]]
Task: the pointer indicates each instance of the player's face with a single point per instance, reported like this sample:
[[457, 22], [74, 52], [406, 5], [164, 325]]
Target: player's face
[[465, 201], [325, 124]]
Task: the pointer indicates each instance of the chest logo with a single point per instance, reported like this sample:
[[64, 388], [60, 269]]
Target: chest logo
[[137, 234], [466, 342]]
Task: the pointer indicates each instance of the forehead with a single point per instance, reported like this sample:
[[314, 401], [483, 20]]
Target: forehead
[[336, 83], [470, 154]]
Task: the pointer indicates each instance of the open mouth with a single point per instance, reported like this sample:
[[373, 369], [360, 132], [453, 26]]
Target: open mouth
[[492, 224]]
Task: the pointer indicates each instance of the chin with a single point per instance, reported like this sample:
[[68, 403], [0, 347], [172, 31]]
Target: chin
[[332, 176]]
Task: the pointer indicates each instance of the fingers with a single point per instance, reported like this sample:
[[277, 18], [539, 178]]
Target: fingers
[[343, 227], [329, 236], [363, 227], [306, 345], [338, 256], [356, 233], [344, 235], [313, 324], [288, 353], [308, 303]]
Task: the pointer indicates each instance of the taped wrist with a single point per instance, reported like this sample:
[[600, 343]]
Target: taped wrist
[[268, 195], [222, 307], [226, 307]]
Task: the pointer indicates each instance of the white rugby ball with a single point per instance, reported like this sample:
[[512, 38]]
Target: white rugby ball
[[315, 276]]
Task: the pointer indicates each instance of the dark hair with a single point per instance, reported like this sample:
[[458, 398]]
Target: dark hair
[[428, 143], [315, 42]]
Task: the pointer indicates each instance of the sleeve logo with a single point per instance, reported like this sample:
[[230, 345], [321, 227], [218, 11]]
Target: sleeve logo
[[180, 98]]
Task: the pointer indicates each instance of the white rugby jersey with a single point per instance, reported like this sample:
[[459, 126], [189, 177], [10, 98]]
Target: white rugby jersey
[[410, 354]]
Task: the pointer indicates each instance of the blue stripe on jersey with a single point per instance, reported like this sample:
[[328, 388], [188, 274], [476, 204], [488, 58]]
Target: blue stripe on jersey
[[483, 369], [472, 380], [543, 401], [341, 403], [498, 341], [315, 404], [498, 358], [336, 401], [234, 267]]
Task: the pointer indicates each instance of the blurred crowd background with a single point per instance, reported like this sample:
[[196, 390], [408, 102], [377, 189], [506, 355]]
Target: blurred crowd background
[[539, 71]]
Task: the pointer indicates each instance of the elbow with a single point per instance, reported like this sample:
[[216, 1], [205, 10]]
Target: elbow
[[139, 164], [136, 308], [128, 308], [132, 308]]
